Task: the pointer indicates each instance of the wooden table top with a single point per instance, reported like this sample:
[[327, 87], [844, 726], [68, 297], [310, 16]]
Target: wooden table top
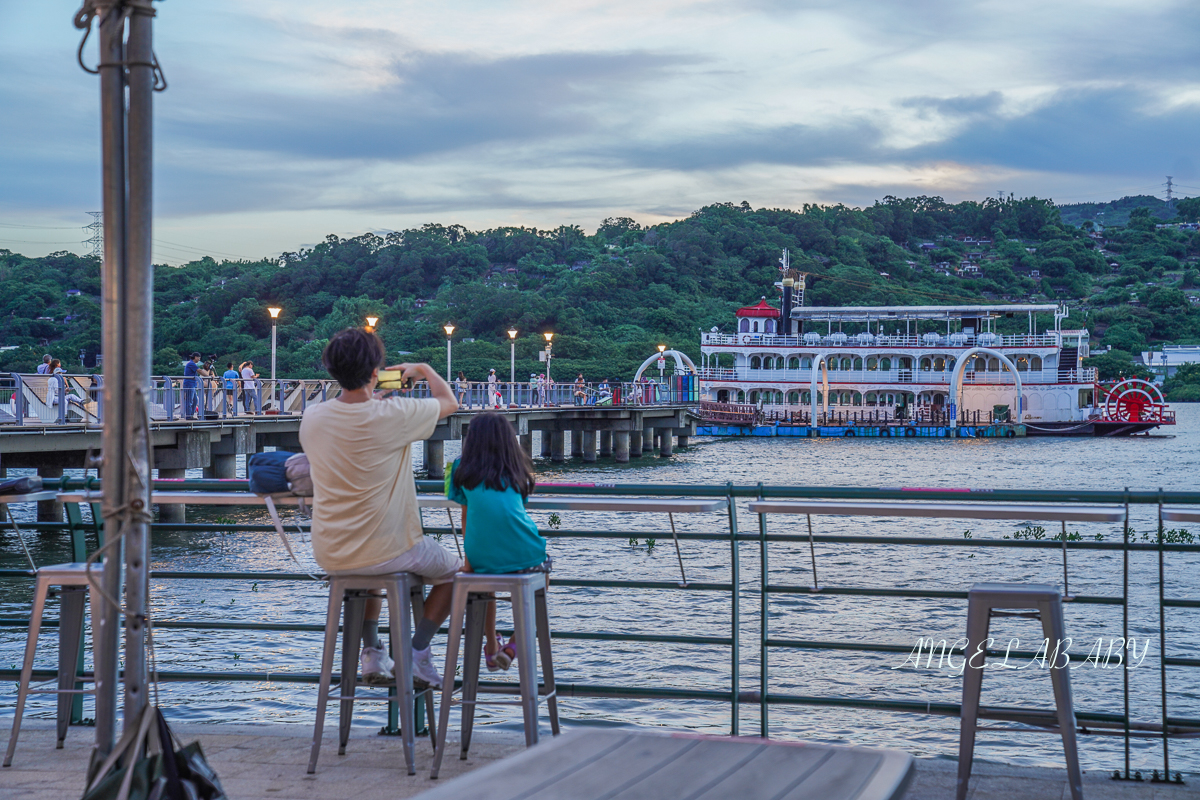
[[624, 765]]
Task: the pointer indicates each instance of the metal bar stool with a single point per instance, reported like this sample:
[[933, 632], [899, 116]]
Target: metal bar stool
[[73, 582], [531, 627], [348, 596], [1045, 603]]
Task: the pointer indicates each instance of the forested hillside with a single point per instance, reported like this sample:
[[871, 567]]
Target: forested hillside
[[612, 296]]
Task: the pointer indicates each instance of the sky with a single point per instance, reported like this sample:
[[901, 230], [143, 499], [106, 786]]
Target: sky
[[284, 122]]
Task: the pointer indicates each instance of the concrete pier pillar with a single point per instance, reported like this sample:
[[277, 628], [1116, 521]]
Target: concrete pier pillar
[[635, 444], [172, 512], [435, 458], [526, 440], [576, 444], [547, 445], [665, 442], [683, 442], [224, 466], [50, 510], [589, 445], [558, 446], [605, 444], [621, 446]]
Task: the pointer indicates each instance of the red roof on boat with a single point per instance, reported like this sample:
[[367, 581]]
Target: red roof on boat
[[760, 310]]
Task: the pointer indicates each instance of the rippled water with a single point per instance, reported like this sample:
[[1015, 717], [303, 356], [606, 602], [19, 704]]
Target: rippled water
[[1170, 461]]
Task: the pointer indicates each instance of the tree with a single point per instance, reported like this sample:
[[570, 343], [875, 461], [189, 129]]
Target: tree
[[1117, 365]]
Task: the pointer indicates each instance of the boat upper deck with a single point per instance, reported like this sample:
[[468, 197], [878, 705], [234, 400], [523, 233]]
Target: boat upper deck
[[914, 313], [840, 340]]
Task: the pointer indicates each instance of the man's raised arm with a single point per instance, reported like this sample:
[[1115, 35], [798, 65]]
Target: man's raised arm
[[438, 388]]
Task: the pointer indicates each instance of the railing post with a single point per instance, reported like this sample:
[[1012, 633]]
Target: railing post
[[19, 400], [763, 723], [169, 397], [735, 616], [1162, 642]]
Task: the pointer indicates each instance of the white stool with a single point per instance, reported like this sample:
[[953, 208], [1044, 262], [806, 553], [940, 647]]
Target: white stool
[[531, 628], [348, 596], [1045, 603], [72, 579]]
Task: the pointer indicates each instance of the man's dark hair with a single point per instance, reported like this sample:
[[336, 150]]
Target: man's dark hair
[[230, 365], [194, 355], [491, 455], [351, 356]]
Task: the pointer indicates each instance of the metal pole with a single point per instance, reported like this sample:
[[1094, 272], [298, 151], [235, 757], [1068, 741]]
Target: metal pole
[[273, 328], [447, 359], [512, 369], [112, 436], [138, 301]]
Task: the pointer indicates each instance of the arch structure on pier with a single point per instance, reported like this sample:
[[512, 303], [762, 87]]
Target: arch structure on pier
[[960, 366], [820, 361], [681, 360]]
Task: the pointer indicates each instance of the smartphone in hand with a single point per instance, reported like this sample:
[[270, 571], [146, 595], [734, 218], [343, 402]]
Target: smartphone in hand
[[394, 379]]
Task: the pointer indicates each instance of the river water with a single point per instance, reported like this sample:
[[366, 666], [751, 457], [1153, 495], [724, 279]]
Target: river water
[[1170, 460]]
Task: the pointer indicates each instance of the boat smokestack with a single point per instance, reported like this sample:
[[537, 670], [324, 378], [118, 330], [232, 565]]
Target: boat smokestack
[[785, 324]]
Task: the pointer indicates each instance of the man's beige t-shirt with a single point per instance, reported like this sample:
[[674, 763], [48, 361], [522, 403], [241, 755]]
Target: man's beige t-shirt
[[364, 498]]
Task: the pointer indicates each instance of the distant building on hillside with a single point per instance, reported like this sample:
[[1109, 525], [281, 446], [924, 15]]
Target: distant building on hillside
[[1166, 362]]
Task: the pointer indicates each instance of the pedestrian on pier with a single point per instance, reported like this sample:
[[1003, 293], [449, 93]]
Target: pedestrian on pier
[[231, 381], [366, 520], [191, 371], [533, 389], [493, 390], [463, 387], [580, 391], [44, 367], [250, 395], [543, 390]]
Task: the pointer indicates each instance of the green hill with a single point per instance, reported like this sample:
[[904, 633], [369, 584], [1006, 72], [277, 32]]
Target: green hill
[[613, 295]]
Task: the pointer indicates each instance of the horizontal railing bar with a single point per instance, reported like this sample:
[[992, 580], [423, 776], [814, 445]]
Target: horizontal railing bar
[[301, 627], [939, 709], [1180, 603], [1181, 662], [928, 594], [867, 647], [753, 490], [941, 510]]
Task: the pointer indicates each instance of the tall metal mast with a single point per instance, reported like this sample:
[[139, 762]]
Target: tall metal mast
[[126, 285]]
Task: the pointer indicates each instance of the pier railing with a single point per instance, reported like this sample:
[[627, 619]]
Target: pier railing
[[770, 507], [76, 400]]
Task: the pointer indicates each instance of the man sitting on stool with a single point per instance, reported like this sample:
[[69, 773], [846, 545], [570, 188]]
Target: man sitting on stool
[[365, 515]]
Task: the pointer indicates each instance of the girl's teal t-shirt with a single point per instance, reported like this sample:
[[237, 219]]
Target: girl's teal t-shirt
[[498, 533]]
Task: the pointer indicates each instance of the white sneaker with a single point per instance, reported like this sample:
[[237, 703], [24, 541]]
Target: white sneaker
[[377, 666], [423, 668]]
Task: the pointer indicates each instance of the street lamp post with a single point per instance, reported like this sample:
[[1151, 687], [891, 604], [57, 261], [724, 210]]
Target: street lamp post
[[549, 355], [512, 364], [274, 312], [449, 329], [662, 364]]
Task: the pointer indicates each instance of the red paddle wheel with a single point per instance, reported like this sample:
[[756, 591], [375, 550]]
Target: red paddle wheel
[[1135, 400]]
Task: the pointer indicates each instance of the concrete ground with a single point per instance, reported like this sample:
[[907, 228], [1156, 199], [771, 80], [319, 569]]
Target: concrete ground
[[268, 762]]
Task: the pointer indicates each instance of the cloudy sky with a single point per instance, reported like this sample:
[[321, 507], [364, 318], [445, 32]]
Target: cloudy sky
[[287, 121]]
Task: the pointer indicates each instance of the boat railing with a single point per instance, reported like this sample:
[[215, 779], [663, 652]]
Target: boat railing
[[879, 376], [874, 341], [789, 519]]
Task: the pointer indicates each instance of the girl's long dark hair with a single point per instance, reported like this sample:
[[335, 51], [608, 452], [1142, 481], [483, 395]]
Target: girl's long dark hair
[[491, 455]]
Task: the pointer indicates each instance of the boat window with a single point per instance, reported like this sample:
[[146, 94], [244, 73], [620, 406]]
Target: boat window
[[744, 325], [939, 364], [769, 326], [905, 363], [872, 362], [793, 397], [1035, 363], [993, 365], [1022, 364], [754, 326], [755, 362], [857, 398], [870, 398], [885, 364], [980, 364], [846, 364], [723, 396], [926, 363], [806, 397], [793, 363], [741, 396], [858, 365], [806, 363]]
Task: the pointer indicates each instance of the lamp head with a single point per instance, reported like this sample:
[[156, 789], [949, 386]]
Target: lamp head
[[371, 321], [512, 333], [662, 347], [449, 329], [274, 312], [549, 336]]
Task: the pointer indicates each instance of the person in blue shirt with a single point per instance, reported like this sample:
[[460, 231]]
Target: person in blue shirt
[[492, 480], [231, 377], [191, 382]]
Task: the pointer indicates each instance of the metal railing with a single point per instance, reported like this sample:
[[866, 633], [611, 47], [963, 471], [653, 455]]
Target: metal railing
[[908, 377], [34, 399], [853, 340], [933, 503]]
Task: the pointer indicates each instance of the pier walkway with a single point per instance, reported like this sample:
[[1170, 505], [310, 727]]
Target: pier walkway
[[267, 762]]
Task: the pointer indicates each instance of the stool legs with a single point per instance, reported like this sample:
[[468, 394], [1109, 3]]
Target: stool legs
[[543, 634], [416, 599], [331, 632], [35, 627], [352, 625], [472, 653], [458, 610], [525, 625], [70, 641], [400, 628], [1052, 629], [977, 631]]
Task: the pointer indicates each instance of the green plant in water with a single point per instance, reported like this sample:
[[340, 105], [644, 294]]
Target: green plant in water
[[633, 541], [254, 587], [650, 544], [967, 534], [554, 520]]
